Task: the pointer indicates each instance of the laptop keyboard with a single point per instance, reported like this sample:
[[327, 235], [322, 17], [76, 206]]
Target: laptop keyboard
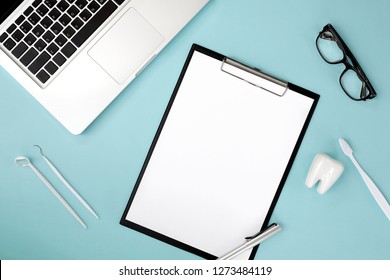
[[49, 32]]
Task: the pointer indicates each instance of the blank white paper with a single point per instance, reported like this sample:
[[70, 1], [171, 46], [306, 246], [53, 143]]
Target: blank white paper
[[219, 159]]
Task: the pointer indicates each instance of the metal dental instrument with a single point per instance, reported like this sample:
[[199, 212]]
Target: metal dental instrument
[[25, 162], [66, 183]]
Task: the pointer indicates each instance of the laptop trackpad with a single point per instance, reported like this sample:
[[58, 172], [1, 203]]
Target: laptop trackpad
[[128, 43]]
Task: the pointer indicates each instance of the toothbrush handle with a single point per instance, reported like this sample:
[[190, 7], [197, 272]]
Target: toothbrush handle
[[376, 193]]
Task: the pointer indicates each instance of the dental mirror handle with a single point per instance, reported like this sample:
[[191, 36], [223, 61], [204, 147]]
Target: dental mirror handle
[[59, 197]]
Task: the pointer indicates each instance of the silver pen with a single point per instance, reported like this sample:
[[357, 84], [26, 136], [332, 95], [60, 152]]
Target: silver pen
[[253, 241]]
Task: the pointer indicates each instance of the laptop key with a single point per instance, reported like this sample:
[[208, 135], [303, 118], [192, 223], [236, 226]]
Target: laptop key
[[59, 59], [60, 40], [30, 39], [81, 4], [64, 20], [51, 68], [43, 76], [3, 37], [54, 14], [50, 3], [93, 6], [85, 15], [46, 22], [68, 50], [28, 11], [26, 27], [69, 32], [52, 49], [17, 35], [28, 56], [19, 49], [62, 6], [48, 36], [42, 10], [73, 11], [39, 62], [40, 45], [36, 3], [95, 22], [38, 31], [77, 23], [20, 19], [34, 18], [9, 44], [56, 28], [11, 28]]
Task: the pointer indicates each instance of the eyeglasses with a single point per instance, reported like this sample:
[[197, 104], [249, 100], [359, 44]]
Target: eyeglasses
[[334, 51]]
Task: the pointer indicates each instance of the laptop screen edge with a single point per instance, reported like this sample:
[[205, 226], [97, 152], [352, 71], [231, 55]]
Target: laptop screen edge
[[7, 7]]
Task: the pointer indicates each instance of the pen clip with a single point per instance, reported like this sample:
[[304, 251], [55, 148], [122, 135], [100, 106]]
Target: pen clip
[[253, 241], [257, 234]]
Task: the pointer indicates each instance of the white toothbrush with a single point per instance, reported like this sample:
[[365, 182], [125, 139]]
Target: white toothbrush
[[376, 193]]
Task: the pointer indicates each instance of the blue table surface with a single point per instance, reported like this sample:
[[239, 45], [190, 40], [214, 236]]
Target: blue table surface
[[104, 162]]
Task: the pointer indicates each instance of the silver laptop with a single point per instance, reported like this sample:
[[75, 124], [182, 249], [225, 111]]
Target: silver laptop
[[76, 56]]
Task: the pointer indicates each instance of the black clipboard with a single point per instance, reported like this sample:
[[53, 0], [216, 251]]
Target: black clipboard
[[170, 184]]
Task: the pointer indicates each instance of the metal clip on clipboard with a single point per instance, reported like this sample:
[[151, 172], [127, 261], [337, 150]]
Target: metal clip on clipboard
[[254, 76]]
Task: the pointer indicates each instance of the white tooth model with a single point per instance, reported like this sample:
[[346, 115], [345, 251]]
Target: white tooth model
[[324, 169]]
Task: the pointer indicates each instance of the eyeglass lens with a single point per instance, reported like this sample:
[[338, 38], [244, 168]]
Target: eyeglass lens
[[329, 49], [352, 85], [349, 79]]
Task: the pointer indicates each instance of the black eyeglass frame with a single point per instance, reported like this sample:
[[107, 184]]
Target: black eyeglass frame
[[355, 66]]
